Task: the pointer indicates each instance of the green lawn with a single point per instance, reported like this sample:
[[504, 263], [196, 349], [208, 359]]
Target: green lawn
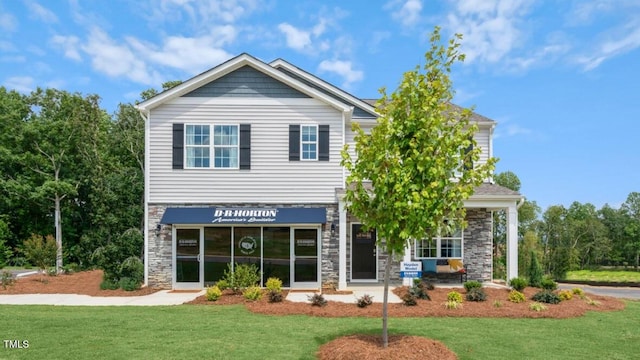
[[604, 275], [231, 332]]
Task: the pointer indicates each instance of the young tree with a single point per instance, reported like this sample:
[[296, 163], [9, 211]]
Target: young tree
[[417, 166]]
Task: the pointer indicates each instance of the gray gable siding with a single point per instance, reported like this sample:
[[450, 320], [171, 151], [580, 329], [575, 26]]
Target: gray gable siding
[[246, 82], [357, 111]]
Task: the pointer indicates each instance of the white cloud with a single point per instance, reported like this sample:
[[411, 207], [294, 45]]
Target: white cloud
[[343, 69], [69, 45], [8, 22], [306, 41], [23, 84], [406, 12], [490, 27], [117, 60], [202, 12], [620, 41], [296, 39], [40, 12]]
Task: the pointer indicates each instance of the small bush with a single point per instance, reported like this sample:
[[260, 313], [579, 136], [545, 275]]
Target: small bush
[[132, 268], [6, 279], [40, 251], [565, 295], [535, 271], [409, 299], [518, 283], [452, 304], [52, 271], [516, 296], [129, 284], [274, 284], [317, 300], [108, 284], [578, 291], [419, 290], [213, 293], [72, 268], [454, 296], [364, 301], [222, 284], [275, 296], [241, 276], [536, 306], [428, 285], [472, 284], [252, 293], [476, 294], [591, 302], [547, 297], [497, 304], [548, 284]]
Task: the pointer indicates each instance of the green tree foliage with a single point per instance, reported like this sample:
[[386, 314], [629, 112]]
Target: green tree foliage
[[40, 251], [631, 212], [402, 181], [535, 270]]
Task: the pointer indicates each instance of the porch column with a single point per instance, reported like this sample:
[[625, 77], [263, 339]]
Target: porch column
[[407, 257], [342, 245], [512, 241]]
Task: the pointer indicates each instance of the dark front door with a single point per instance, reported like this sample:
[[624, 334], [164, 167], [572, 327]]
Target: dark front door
[[364, 257]]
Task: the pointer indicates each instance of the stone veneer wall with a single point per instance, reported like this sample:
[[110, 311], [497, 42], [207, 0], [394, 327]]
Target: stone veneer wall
[[478, 245], [160, 247]]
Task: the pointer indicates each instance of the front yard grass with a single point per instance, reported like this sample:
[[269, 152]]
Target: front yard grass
[[604, 275], [232, 332]]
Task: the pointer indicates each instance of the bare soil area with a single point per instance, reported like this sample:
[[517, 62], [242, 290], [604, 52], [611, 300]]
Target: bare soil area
[[357, 346]]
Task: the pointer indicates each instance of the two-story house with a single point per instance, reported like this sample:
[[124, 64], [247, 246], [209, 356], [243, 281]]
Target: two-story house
[[243, 166]]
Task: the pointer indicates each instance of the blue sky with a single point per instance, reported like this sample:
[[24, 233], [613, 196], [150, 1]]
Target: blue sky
[[561, 78]]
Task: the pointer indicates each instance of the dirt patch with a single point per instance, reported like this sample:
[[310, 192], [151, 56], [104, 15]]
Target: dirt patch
[[370, 347], [84, 283]]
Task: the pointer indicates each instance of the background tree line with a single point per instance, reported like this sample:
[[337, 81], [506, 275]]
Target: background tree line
[[573, 238]]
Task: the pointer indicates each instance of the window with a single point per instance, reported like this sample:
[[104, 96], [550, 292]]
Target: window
[[446, 246], [224, 146], [309, 142]]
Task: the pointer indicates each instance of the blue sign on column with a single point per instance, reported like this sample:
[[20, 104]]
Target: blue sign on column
[[410, 274]]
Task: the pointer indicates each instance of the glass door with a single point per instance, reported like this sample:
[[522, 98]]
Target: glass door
[[217, 253], [305, 257], [188, 258]]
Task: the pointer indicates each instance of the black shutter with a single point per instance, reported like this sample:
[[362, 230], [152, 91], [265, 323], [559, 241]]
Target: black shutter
[[468, 161], [323, 143], [178, 146], [245, 146], [294, 142]]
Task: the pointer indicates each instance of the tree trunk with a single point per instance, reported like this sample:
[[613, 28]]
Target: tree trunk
[[58, 221], [385, 301]]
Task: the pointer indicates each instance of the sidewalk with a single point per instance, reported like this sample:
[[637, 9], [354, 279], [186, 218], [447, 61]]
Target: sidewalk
[[162, 297]]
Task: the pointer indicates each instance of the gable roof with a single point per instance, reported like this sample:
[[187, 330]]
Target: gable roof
[[233, 64]]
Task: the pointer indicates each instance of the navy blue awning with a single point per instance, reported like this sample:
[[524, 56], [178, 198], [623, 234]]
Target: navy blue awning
[[235, 216]]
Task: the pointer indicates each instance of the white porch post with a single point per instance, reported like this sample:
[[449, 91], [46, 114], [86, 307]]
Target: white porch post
[[342, 245], [512, 242], [407, 257]]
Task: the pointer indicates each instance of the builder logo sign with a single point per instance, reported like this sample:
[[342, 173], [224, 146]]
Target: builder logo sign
[[248, 215], [247, 245]]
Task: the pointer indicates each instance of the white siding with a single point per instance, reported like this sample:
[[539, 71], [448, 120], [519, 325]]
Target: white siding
[[272, 177]]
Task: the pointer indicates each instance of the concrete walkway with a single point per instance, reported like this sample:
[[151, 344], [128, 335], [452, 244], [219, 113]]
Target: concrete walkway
[[163, 297]]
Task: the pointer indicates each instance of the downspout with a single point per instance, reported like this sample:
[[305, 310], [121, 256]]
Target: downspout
[[146, 115]]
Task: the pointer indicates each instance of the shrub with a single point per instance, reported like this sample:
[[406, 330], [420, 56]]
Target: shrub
[[116, 252], [274, 284], [275, 296], [222, 284], [518, 283], [476, 294], [72, 268], [535, 271], [591, 302], [497, 304], [252, 293], [454, 296], [452, 304], [428, 285], [129, 284], [419, 290], [52, 271], [565, 295], [213, 293], [516, 296], [6, 279], [536, 306], [132, 268], [317, 300], [547, 297], [241, 276], [578, 291], [472, 284], [40, 251], [549, 284], [409, 299], [108, 284], [364, 301]]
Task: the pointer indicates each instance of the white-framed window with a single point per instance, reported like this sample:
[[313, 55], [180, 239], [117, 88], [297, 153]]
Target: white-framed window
[[223, 146], [309, 142], [448, 245]]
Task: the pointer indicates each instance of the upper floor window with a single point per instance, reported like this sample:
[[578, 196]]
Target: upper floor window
[[448, 245], [200, 147], [309, 142]]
